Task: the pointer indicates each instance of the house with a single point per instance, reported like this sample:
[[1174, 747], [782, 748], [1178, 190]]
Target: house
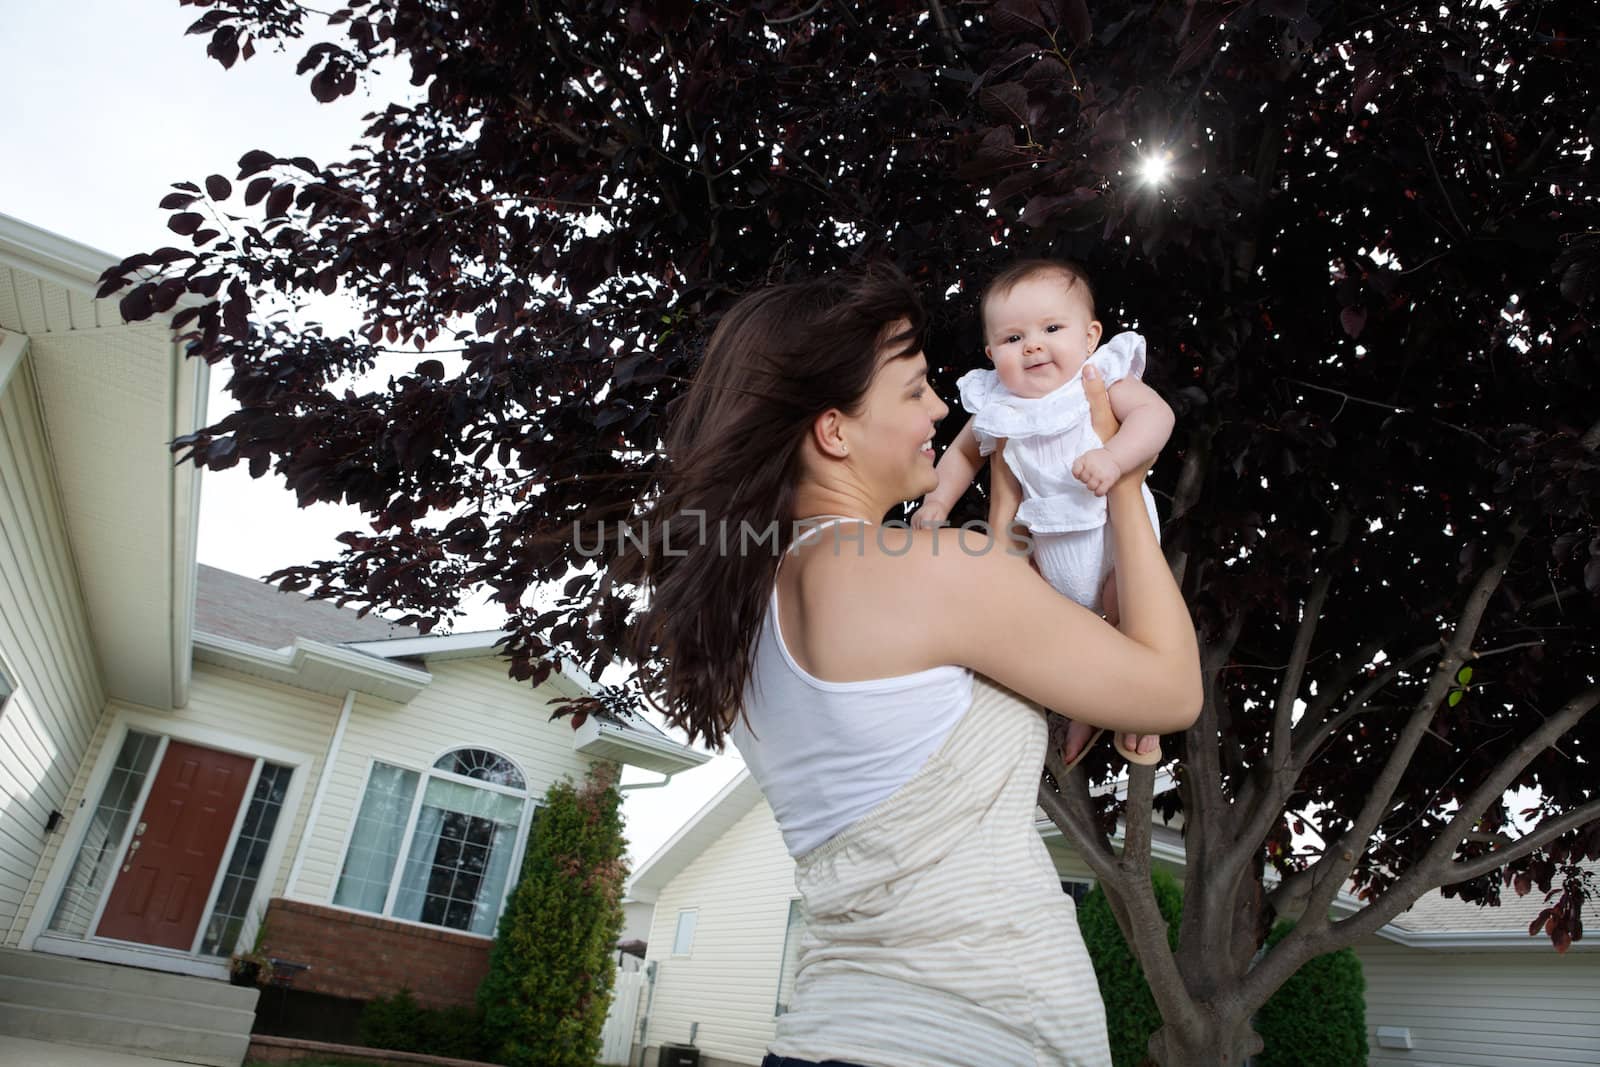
[[193, 764], [1448, 983]]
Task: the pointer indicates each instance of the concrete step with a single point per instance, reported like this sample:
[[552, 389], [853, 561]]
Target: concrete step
[[187, 1044], [121, 1004], [46, 967]]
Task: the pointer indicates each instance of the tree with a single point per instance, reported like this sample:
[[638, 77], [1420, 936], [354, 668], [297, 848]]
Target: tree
[[1361, 238], [1131, 1012], [551, 970]]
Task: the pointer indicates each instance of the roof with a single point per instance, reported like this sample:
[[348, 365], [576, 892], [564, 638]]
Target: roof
[[231, 605], [1437, 913], [713, 819], [317, 645]]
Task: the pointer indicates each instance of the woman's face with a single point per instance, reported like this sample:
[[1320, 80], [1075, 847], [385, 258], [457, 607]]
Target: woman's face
[[891, 436]]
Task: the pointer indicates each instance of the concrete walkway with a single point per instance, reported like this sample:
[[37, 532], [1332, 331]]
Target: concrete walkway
[[24, 1051]]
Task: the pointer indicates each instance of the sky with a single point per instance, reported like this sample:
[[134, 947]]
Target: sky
[[110, 103]]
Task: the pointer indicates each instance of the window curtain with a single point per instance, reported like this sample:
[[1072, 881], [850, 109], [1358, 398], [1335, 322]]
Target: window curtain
[[486, 910], [440, 799], [419, 861], [375, 843]]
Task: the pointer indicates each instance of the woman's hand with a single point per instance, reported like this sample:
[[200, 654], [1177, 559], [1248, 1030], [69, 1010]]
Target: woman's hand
[[1104, 420]]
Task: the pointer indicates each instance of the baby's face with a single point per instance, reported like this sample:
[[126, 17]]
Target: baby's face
[[1040, 333]]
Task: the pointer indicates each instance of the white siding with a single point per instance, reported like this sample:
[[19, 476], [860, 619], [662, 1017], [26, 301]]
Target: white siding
[[1533, 1008], [45, 646], [741, 885], [471, 702]]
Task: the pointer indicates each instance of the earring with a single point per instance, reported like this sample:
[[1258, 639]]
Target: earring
[[844, 450]]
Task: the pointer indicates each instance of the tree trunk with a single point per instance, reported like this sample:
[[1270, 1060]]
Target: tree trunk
[[1219, 1041]]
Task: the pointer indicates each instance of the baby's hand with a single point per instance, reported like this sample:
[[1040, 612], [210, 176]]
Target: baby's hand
[[1098, 469], [930, 515]]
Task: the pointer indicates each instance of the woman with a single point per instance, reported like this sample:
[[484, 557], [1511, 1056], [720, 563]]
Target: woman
[[936, 930]]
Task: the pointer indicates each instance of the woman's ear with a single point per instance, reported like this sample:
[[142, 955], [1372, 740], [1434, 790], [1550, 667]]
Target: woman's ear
[[827, 433]]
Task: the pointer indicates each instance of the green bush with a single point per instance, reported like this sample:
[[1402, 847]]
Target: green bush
[[393, 1022], [1318, 1018], [551, 969], [1131, 1015], [400, 1023]]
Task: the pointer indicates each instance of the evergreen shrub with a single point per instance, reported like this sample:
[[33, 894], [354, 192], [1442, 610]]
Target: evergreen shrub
[[551, 970], [1318, 1018]]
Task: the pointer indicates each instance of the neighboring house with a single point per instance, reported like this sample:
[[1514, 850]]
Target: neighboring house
[[185, 751], [1455, 984]]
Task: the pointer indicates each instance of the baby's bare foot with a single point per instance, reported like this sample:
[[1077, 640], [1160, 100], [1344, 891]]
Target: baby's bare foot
[[1079, 734]]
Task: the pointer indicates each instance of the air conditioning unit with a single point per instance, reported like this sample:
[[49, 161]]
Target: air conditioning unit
[[679, 1056]]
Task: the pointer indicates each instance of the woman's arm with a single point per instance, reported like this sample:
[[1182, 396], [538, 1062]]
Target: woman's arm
[[956, 469]]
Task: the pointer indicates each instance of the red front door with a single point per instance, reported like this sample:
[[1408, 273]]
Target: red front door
[[161, 890]]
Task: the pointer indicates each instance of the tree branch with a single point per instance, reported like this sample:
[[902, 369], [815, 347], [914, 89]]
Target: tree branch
[[1541, 835], [1495, 784], [1269, 799], [1340, 858], [1314, 734], [1202, 772]]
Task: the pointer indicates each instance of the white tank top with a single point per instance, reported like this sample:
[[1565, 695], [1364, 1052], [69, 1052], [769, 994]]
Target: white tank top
[[826, 753]]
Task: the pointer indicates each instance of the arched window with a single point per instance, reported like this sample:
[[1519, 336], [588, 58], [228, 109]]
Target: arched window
[[459, 823]]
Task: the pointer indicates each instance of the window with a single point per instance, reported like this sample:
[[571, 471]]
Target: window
[[1077, 889], [791, 956], [244, 866], [96, 864], [683, 940], [436, 846]]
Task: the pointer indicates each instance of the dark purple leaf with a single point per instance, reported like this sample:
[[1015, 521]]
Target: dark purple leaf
[[279, 200], [218, 187]]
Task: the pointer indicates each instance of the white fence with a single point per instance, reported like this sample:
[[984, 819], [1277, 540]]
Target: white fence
[[616, 1039]]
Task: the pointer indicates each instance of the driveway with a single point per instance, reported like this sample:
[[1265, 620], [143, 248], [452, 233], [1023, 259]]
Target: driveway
[[22, 1050]]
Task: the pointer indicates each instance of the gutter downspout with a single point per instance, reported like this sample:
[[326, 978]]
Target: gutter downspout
[[645, 785], [328, 761]]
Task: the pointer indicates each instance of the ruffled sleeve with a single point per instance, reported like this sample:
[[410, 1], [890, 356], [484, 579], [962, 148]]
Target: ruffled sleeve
[[976, 387], [1121, 357]]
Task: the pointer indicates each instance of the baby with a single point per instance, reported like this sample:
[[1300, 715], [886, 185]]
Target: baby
[[1040, 331]]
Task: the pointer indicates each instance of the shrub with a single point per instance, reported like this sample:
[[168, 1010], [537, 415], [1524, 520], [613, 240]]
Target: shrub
[[393, 1022], [399, 1022], [1131, 1015], [1318, 1018], [551, 969]]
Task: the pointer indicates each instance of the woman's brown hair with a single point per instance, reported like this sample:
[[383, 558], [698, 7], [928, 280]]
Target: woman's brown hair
[[780, 357]]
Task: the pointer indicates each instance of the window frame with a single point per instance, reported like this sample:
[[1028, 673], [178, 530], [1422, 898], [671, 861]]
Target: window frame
[[677, 933], [8, 686], [529, 812]]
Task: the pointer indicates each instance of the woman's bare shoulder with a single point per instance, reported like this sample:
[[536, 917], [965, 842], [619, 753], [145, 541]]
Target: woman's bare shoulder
[[932, 579]]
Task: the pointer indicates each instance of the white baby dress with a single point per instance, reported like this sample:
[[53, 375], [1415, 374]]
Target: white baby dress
[[1044, 437]]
